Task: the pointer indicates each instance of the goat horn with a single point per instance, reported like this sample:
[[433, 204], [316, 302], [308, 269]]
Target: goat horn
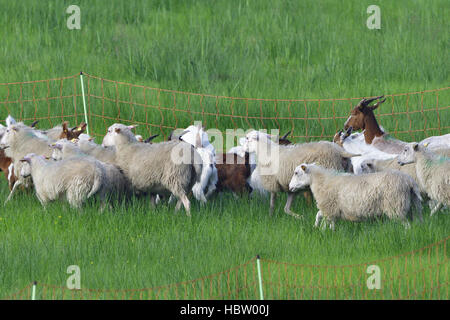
[[151, 138], [285, 136]]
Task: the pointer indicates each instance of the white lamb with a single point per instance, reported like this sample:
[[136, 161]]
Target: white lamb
[[76, 180], [359, 197], [433, 173], [115, 182]]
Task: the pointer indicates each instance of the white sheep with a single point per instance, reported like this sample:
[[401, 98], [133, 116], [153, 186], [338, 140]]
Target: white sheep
[[433, 172], [18, 141], [75, 179], [157, 168], [115, 181], [359, 197], [276, 163], [436, 142]]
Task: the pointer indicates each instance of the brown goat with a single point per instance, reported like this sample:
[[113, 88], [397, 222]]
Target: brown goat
[[73, 133], [5, 163], [233, 176], [363, 118]]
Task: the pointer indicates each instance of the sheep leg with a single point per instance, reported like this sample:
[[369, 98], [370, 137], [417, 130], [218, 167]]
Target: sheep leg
[[436, 208], [273, 196], [332, 225], [172, 199], [287, 207], [178, 205], [153, 200], [319, 217], [187, 204], [16, 185]]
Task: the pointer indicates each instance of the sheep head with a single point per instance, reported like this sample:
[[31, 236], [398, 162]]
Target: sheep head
[[301, 177], [361, 112], [108, 140], [408, 155], [9, 135]]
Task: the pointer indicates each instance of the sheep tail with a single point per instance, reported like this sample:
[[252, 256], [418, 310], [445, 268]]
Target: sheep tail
[[97, 182]]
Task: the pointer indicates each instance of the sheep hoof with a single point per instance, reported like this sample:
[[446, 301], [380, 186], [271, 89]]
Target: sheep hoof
[[296, 216]]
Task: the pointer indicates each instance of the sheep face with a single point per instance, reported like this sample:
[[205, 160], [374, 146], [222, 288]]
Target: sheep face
[[9, 135], [301, 178], [108, 140], [25, 171], [408, 154], [57, 153]]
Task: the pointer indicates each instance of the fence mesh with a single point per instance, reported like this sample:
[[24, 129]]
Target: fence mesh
[[419, 274], [407, 116]]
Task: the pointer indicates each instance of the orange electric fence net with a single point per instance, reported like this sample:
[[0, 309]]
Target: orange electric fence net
[[408, 116], [419, 274]]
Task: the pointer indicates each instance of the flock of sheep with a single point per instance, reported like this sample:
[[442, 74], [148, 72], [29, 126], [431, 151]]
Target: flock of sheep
[[359, 175]]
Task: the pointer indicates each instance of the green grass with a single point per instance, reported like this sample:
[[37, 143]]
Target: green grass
[[253, 49]]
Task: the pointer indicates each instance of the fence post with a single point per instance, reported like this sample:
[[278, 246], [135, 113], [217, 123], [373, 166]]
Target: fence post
[[258, 264], [33, 291], [84, 102]]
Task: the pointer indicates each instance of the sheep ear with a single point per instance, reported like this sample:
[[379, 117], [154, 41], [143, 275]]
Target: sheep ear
[[117, 130], [415, 146], [304, 167], [132, 126], [25, 159], [34, 123]]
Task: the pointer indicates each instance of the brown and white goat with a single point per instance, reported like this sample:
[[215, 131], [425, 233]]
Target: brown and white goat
[[362, 117]]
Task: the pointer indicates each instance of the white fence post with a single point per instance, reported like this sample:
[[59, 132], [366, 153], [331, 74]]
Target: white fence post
[[258, 264], [33, 291], [84, 103]]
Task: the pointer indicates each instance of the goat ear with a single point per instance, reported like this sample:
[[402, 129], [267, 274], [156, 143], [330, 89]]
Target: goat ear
[[64, 125], [81, 127], [132, 126]]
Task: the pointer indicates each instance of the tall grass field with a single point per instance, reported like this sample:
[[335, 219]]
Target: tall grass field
[[296, 51]]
